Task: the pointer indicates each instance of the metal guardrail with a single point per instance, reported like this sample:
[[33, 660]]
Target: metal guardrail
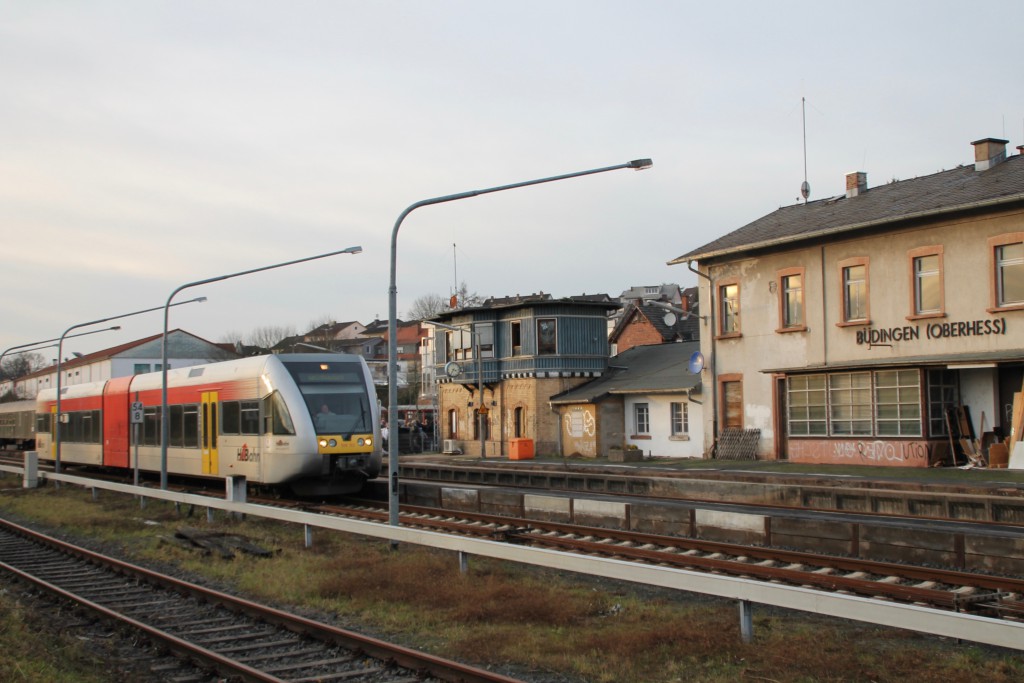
[[968, 627]]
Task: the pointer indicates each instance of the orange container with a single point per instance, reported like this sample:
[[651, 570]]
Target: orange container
[[520, 449]]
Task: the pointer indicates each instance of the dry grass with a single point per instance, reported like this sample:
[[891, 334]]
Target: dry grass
[[561, 627]]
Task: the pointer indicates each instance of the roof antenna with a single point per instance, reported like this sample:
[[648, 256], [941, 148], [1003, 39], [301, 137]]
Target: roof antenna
[[805, 188]]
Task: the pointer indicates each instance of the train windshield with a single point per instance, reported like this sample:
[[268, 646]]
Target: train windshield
[[335, 395]]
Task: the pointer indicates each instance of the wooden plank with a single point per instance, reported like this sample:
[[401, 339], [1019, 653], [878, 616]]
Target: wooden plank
[[1018, 417]]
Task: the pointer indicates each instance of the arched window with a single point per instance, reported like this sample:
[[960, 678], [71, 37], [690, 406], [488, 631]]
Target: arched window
[[517, 427], [453, 424]]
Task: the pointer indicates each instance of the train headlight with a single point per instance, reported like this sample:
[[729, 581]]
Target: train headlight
[[323, 443], [361, 441], [332, 443]]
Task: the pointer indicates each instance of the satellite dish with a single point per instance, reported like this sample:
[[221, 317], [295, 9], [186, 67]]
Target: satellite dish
[[696, 363], [670, 318]]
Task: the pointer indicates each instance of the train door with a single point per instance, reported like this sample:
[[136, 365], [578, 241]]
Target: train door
[[53, 431], [209, 433]]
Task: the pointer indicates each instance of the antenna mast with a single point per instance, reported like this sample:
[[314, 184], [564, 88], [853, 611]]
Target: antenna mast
[[805, 188], [455, 270]]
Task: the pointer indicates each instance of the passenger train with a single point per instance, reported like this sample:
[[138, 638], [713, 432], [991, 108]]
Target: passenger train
[[309, 423]]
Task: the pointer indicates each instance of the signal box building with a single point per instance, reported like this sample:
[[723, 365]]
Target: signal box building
[[877, 327], [514, 355]]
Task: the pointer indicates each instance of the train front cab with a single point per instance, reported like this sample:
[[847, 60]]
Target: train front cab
[[334, 397]]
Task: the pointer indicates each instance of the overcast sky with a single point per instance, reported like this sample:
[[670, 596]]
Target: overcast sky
[[145, 145]]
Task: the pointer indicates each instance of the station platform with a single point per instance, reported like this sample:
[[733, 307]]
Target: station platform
[[968, 518]]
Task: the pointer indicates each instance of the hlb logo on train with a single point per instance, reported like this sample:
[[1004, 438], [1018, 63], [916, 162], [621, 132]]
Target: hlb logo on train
[[245, 455]]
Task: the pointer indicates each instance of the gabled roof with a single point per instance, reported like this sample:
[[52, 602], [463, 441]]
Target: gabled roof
[[687, 329], [654, 369], [180, 344], [928, 197]]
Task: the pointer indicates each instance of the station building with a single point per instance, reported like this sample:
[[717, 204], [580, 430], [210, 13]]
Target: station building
[[508, 357], [850, 329]]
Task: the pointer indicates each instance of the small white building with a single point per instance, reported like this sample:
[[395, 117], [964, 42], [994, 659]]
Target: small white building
[[133, 358], [642, 403]]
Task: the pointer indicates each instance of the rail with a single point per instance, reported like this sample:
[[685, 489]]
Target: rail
[[1001, 633]]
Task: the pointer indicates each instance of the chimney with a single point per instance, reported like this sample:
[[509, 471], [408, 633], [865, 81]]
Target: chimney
[[989, 152], [856, 183]]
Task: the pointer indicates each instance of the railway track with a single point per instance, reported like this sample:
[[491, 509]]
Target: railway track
[[236, 639], [981, 594]]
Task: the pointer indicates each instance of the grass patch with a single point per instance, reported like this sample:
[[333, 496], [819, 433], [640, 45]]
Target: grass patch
[[528, 619]]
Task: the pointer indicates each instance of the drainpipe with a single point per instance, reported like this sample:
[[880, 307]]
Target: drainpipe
[[714, 356]]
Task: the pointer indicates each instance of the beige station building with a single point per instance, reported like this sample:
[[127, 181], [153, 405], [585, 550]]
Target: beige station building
[[879, 327]]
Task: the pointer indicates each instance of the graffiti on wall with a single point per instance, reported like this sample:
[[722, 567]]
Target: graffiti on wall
[[866, 452], [579, 431]]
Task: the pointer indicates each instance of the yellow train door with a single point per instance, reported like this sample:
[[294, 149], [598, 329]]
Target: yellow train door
[[210, 459], [53, 431]]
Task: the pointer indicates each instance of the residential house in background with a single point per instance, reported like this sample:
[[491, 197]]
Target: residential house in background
[[496, 378], [133, 358], [643, 324], [846, 330], [642, 403]]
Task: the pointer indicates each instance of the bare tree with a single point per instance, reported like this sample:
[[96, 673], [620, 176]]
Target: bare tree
[[21, 364], [427, 306], [430, 305], [267, 336]]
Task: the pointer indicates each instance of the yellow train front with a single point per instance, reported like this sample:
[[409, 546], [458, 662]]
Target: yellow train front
[[306, 422]]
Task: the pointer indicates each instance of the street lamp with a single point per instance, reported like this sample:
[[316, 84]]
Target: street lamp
[[636, 164], [60, 352], [45, 344], [164, 426]]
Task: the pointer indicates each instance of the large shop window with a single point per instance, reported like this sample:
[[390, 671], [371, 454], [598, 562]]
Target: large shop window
[[883, 403]]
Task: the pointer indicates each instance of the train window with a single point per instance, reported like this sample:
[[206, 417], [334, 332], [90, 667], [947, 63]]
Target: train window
[[250, 417], [43, 422], [175, 426], [231, 417], [151, 426], [277, 418], [190, 426]]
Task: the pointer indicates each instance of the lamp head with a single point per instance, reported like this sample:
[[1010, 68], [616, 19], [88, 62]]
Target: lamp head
[[640, 164]]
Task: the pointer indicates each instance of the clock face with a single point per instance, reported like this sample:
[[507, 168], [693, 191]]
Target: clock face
[[452, 369]]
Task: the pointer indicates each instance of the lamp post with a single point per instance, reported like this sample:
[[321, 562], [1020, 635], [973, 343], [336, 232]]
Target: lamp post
[[164, 426], [60, 352], [636, 164], [45, 344]]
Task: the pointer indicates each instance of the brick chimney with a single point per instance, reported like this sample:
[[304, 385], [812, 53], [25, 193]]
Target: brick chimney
[[989, 152], [856, 183]]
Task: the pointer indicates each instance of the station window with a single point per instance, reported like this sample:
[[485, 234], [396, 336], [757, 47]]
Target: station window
[[791, 300], [927, 282], [1010, 274], [883, 403], [898, 403], [729, 308], [854, 277], [808, 405], [943, 393]]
